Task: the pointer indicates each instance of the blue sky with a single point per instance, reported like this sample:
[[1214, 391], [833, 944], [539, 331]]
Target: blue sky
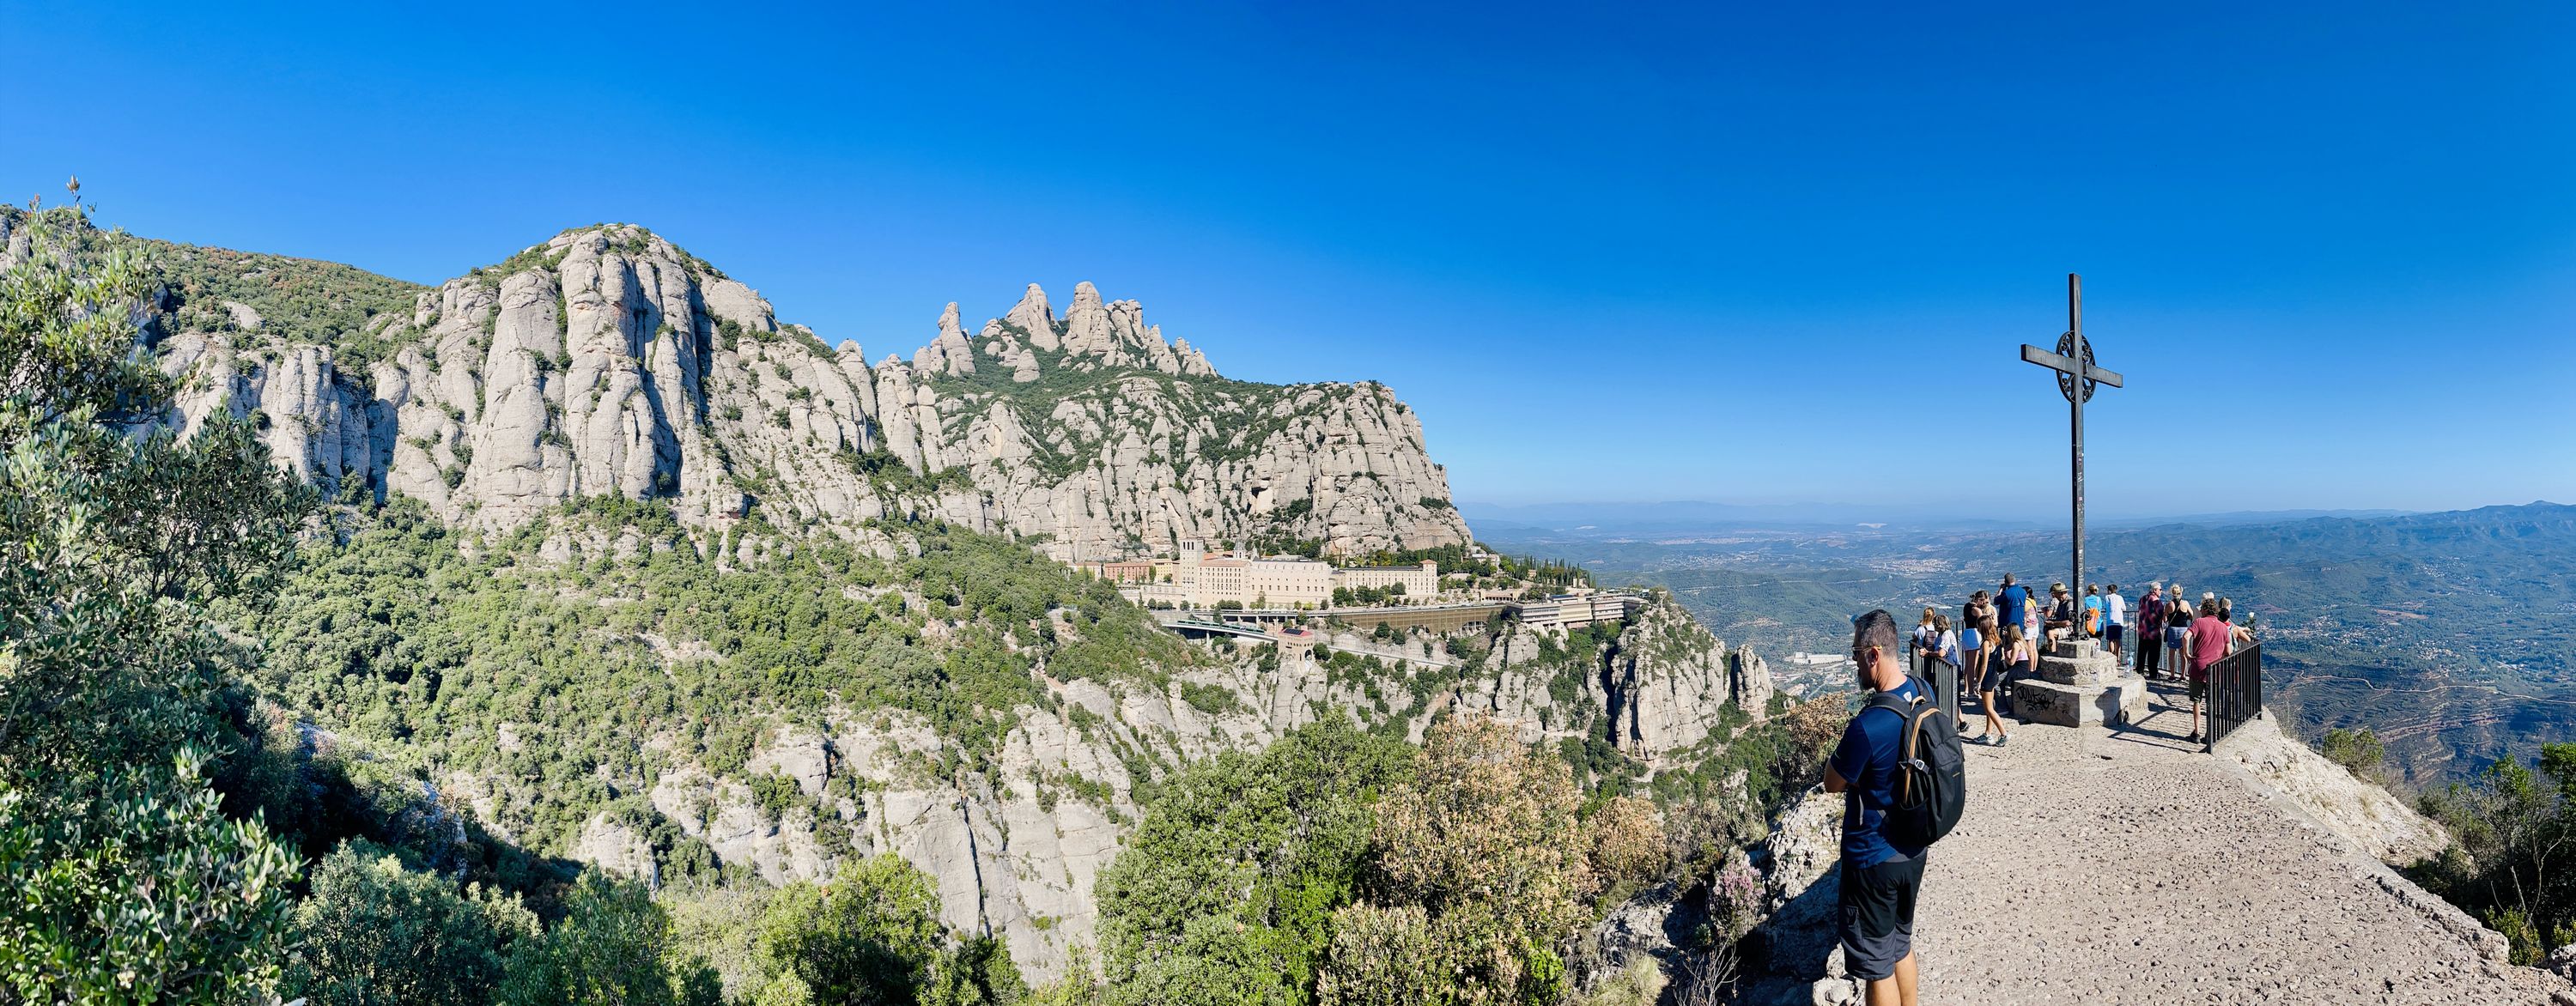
[[1738, 253]]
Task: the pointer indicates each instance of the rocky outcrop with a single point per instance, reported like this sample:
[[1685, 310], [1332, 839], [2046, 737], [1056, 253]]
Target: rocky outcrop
[[1013, 849], [1014, 846], [949, 352], [609, 362], [1669, 679], [2357, 810], [1665, 684]]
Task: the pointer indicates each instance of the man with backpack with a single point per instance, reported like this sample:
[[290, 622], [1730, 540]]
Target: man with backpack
[[1903, 777]]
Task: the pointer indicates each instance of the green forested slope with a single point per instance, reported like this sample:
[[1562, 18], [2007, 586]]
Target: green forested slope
[[425, 652]]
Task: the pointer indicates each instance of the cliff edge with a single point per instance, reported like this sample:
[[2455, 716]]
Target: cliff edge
[[2129, 867]]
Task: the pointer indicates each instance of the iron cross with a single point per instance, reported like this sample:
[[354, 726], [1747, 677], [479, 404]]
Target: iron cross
[[2076, 377]]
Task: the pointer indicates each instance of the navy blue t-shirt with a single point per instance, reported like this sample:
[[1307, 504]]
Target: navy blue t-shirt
[[1867, 759], [2011, 601]]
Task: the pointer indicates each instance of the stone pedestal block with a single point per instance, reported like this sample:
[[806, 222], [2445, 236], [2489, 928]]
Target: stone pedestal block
[[2119, 700], [2082, 663]]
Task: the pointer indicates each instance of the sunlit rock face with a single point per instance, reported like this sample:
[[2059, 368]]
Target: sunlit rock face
[[609, 362]]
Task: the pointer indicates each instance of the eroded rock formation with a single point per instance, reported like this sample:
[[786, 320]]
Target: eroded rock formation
[[609, 362]]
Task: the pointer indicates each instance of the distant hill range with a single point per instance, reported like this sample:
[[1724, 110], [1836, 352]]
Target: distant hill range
[[2447, 633], [1615, 519]]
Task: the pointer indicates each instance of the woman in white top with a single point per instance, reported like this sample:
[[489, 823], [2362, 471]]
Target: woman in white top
[[1945, 666]]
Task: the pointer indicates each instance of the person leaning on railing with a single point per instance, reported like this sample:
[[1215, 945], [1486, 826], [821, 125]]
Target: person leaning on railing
[[2237, 635], [2210, 636]]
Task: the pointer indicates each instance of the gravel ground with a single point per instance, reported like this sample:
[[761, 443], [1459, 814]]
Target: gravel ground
[[2128, 868]]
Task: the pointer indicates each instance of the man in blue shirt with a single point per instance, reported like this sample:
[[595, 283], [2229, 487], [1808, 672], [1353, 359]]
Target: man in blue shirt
[[2012, 599], [1879, 878]]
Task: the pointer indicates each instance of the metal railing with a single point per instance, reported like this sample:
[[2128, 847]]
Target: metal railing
[[2235, 692]]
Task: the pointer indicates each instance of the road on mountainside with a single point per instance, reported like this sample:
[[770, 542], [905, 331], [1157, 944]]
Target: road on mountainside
[[2155, 876]]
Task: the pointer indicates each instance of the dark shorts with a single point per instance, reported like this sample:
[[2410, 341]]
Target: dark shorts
[[2112, 632], [1876, 909], [2199, 685]]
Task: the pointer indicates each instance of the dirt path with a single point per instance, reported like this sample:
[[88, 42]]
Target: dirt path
[[2169, 882]]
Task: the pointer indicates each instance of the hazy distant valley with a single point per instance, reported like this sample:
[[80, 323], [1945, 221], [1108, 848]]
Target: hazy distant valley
[[2446, 633]]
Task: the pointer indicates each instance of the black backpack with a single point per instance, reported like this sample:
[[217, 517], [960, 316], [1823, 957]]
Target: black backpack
[[1931, 784]]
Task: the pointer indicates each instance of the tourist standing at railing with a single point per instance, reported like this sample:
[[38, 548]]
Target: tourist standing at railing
[[2209, 637], [1946, 662], [1926, 644], [2115, 619], [2092, 611], [2177, 635], [1980, 612], [2151, 629], [1975, 637], [2237, 635]]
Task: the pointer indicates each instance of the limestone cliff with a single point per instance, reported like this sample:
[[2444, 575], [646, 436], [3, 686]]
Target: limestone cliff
[[607, 361], [1665, 685], [1668, 678]]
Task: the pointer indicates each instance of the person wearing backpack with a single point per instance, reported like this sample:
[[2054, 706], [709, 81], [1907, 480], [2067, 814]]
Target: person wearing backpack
[[1903, 779], [1926, 644]]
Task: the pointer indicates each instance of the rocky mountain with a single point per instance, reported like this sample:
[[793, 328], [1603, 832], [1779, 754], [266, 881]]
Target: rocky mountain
[[628, 572], [608, 361]]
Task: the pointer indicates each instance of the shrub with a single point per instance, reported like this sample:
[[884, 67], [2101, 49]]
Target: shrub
[[1482, 867], [120, 878], [613, 946], [1225, 893], [372, 932], [2357, 750]]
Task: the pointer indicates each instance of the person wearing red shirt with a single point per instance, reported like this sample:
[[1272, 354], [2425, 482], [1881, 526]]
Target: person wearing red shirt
[[2208, 645]]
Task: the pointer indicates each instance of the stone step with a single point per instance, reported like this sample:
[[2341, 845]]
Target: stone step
[[2081, 664], [2115, 701]]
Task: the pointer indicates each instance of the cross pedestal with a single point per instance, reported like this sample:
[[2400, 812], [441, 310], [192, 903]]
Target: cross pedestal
[[2080, 685]]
